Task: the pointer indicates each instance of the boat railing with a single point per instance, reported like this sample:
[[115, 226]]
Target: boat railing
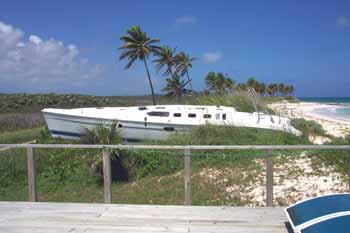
[[186, 149]]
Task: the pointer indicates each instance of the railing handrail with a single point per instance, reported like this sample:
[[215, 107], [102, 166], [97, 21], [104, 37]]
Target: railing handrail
[[106, 154], [181, 147]]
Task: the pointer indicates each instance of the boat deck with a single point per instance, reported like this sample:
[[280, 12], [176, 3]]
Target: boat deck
[[99, 218]]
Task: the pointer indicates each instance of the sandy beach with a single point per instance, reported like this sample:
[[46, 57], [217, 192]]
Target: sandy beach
[[337, 127]]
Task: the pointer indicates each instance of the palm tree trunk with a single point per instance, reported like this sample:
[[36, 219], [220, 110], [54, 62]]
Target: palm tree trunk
[[150, 81], [190, 82]]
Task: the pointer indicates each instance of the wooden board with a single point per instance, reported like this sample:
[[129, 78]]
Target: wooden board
[[73, 217]]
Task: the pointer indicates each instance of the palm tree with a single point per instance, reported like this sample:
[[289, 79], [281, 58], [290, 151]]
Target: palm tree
[[261, 88], [106, 135], [282, 89], [138, 46], [219, 83], [290, 90], [252, 83], [165, 58], [102, 135], [272, 89], [176, 87], [183, 64]]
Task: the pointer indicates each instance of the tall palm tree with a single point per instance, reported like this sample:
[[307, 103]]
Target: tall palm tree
[[272, 89], [290, 90], [219, 83], [138, 46], [282, 89], [165, 58], [183, 64], [252, 83], [261, 88], [176, 87]]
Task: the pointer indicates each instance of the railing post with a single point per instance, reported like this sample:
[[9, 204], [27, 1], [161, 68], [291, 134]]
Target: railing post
[[31, 175], [187, 174], [269, 179], [107, 176]]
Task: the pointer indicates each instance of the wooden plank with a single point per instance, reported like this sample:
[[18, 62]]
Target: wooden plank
[[82, 217], [187, 176], [31, 169], [269, 179], [107, 176], [191, 147]]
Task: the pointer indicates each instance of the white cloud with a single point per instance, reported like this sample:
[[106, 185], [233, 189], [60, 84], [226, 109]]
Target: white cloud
[[185, 19], [212, 57], [343, 21], [33, 61]]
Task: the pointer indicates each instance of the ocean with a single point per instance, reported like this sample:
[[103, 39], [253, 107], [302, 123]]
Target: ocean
[[339, 107]]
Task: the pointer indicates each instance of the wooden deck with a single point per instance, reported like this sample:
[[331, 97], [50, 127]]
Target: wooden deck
[[99, 218]]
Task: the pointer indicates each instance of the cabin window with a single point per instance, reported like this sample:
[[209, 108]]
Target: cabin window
[[192, 115], [158, 114], [217, 116], [207, 116], [142, 108], [224, 116], [160, 107], [177, 114]]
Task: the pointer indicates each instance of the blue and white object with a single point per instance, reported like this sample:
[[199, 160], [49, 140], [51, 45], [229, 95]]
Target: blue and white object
[[324, 214]]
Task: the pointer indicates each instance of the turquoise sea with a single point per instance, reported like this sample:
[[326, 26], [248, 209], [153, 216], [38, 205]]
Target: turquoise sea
[[339, 107]]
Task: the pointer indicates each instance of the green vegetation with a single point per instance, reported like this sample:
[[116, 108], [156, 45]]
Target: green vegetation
[[18, 121], [176, 87], [183, 64], [152, 176], [218, 83], [229, 135], [31, 103], [308, 128], [20, 136], [340, 160]]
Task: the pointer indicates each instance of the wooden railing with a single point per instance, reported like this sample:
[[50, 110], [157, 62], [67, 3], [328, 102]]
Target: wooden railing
[[106, 153]]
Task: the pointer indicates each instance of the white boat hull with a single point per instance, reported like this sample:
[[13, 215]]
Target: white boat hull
[[74, 127], [135, 124]]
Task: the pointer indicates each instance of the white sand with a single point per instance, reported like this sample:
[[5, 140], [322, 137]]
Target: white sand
[[334, 126], [297, 178]]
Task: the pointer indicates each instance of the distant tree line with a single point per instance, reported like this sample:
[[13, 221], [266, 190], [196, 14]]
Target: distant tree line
[[219, 83], [137, 46]]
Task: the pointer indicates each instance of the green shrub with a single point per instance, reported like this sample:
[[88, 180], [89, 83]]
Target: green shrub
[[20, 136], [339, 159], [308, 128], [230, 135]]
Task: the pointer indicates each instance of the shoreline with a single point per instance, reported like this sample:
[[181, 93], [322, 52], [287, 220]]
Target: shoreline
[[337, 127]]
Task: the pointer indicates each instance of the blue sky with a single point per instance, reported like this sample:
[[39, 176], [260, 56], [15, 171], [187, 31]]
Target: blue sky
[[72, 46]]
